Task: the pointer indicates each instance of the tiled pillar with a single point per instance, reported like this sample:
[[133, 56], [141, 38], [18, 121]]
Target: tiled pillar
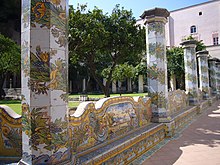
[[218, 76], [156, 62], [44, 49], [213, 77], [203, 73], [190, 64]]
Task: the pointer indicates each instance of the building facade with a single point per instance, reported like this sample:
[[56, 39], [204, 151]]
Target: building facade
[[201, 21]]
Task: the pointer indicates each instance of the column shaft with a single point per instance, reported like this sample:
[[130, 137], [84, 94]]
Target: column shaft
[[212, 72], [190, 64], [44, 49], [203, 73], [156, 62]]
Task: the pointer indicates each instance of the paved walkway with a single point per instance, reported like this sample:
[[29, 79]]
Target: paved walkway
[[199, 144]]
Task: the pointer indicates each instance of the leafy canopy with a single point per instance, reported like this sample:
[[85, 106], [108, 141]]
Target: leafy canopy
[[9, 56], [99, 41]]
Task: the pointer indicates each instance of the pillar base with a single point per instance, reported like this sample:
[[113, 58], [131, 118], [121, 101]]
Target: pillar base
[[206, 96], [214, 93], [160, 118], [193, 101]]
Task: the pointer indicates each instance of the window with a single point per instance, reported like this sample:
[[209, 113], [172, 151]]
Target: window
[[215, 39], [193, 29]]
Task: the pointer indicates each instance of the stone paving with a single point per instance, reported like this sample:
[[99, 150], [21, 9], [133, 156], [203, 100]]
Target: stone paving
[[198, 144]]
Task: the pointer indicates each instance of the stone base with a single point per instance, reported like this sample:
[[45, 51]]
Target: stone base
[[9, 159], [180, 120], [203, 106], [161, 119], [212, 99], [193, 101], [206, 96]]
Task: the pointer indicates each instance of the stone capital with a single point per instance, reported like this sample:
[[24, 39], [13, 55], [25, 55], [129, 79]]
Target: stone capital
[[155, 15], [217, 64], [156, 12], [188, 43], [211, 59], [203, 53]]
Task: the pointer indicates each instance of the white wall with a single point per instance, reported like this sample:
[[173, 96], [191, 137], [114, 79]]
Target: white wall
[[181, 20]]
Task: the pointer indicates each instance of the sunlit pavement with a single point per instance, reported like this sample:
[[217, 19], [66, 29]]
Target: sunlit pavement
[[198, 144]]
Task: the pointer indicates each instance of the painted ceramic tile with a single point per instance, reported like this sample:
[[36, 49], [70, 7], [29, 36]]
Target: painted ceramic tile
[[44, 69], [157, 76], [110, 118], [213, 81], [25, 15], [191, 81], [203, 75]]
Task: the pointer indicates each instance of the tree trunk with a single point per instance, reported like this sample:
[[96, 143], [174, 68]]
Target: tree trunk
[[105, 88], [2, 93]]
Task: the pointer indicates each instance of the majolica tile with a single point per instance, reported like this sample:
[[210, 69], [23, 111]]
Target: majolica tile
[[190, 64], [213, 77], [40, 38], [44, 72], [203, 73], [157, 68]]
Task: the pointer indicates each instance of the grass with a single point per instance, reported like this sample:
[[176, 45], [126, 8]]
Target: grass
[[13, 104], [73, 104], [112, 95], [16, 104]]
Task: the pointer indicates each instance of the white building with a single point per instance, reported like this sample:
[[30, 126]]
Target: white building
[[202, 21]]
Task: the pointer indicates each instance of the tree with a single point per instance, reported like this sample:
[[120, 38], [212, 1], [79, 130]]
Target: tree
[[10, 9], [10, 59], [100, 41], [175, 64]]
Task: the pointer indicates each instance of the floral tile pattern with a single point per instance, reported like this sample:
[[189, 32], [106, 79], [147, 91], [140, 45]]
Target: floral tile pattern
[[213, 76], [157, 69], [203, 74], [218, 76], [44, 81], [190, 64]]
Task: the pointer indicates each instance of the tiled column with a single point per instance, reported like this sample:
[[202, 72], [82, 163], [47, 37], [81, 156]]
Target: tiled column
[[45, 136], [203, 73], [190, 64], [213, 77], [218, 76], [156, 62]]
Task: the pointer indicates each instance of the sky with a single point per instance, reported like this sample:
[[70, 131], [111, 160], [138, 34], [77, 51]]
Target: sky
[[137, 6]]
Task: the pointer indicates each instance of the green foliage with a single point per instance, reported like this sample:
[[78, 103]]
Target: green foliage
[[10, 59], [199, 44], [99, 41], [9, 55], [121, 72], [141, 69], [175, 61]]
